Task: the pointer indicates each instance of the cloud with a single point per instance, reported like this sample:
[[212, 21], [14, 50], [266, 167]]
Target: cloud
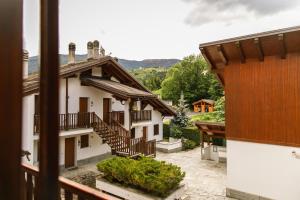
[[228, 11]]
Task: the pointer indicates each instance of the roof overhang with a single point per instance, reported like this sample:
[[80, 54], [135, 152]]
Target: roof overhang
[[221, 53], [118, 89], [212, 128], [208, 101]]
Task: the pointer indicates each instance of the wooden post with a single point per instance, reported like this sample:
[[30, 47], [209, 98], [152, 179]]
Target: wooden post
[[11, 55], [48, 165], [130, 109]]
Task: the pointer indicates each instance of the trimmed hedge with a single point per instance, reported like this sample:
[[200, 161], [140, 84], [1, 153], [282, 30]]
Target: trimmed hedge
[[166, 130], [219, 142], [192, 133], [188, 144], [152, 176]]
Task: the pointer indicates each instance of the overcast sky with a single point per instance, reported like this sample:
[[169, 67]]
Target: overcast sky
[[142, 29]]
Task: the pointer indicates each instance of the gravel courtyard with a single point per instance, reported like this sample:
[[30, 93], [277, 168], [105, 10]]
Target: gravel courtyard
[[204, 179]]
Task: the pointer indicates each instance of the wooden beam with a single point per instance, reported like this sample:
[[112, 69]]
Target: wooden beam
[[219, 70], [282, 46], [11, 55], [221, 53], [260, 52], [241, 51], [211, 65], [207, 57], [49, 86]]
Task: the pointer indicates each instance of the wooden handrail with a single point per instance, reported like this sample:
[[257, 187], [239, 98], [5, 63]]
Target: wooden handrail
[[141, 115], [68, 121], [30, 175], [114, 133]]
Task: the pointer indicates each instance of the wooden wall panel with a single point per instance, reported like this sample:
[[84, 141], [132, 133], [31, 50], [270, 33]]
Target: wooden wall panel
[[263, 100], [10, 98]]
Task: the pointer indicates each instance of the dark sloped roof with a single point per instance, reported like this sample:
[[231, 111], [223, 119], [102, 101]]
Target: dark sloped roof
[[221, 53], [108, 64], [209, 101], [211, 128], [117, 88]]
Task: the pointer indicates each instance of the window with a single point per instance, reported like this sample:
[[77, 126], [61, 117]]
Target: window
[[156, 129], [133, 133], [121, 118], [84, 141], [36, 104]]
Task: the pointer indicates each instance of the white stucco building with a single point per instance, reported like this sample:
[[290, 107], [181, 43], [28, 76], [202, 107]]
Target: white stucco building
[[103, 110]]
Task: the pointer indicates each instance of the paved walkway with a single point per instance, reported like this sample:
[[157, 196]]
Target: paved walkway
[[204, 179]]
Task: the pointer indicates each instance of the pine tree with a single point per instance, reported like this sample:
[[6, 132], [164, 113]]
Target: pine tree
[[181, 120]]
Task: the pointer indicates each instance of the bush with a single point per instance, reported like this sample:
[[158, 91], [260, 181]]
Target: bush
[[219, 142], [192, 133], [176, 131], [166, 130], [152, 176], [188, 144]]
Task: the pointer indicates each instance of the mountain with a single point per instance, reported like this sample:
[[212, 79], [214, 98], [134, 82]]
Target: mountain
[[128, 64]]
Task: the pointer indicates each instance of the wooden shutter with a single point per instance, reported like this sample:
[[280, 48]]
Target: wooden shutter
[[156, 129], [84, 141]]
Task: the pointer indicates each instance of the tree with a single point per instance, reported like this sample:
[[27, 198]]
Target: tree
[[190, 76], [181, 119], [151, 77], [219, 113]]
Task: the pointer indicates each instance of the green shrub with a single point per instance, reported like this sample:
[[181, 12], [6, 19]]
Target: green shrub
[[192, 133], [166, 130], [219, 141], [156, 177], [188, 144], [176, 131]]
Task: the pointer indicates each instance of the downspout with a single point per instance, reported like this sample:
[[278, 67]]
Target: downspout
[[67, 104]]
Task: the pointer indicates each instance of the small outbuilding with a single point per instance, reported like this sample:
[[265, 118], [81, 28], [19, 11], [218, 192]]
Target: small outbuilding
[[204, 105]]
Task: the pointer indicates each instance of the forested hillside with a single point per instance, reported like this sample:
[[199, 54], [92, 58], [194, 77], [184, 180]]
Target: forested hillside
[[190, 76], [128, 64]]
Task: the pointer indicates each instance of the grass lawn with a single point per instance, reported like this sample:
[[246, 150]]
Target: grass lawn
[[209, 117]]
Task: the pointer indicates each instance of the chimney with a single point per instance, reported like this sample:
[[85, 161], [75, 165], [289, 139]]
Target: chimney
[[96, 49], [71, 57], [102, 51], [25, 63], [90, 50]]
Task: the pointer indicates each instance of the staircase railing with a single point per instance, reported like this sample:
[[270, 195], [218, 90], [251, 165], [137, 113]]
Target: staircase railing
[[150, 148], [119, 138], [119, 129]]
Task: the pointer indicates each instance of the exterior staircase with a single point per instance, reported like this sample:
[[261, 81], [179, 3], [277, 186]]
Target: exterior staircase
[[119, 139], [114, 134]]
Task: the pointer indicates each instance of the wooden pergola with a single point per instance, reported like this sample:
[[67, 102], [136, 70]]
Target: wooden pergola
[[210, 130]]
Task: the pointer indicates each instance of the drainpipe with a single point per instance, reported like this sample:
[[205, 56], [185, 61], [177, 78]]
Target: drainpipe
[[67, 104]]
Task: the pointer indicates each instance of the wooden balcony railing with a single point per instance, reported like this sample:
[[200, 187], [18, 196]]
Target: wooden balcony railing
[[68, 121], [141, 115], [69, 190], [118, 116]]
